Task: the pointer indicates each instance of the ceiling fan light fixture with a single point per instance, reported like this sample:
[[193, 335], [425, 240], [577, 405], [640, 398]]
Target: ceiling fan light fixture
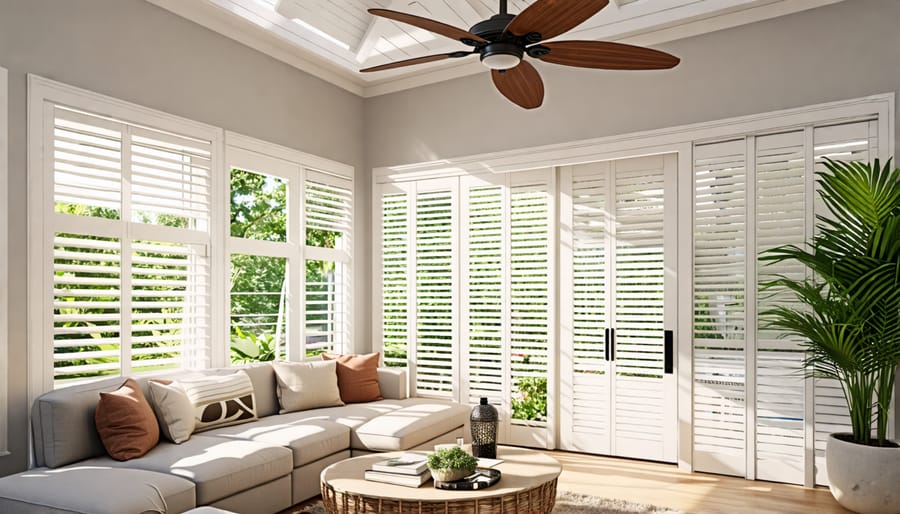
[[501, 56]]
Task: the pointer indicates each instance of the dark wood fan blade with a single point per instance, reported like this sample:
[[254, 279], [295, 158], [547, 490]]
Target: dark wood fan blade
[[522, 85], [415, 60], [607, 56], [550, 18], [429, 25]]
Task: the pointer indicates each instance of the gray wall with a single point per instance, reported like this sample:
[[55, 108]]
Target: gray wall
[[132, 50], [837, 52]]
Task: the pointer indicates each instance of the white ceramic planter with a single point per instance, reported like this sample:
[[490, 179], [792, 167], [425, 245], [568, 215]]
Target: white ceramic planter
[[864, 479]]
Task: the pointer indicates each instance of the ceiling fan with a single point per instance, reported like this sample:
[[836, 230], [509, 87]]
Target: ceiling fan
[[503, 40]]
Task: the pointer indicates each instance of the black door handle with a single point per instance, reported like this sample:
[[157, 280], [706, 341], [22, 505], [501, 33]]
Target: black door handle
[[669, 352], [612, 345], [606, 343]]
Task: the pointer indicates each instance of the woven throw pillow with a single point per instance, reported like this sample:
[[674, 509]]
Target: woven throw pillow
[[307, 385], [174, 410], [125, 422], [357, 377], [220, 400]]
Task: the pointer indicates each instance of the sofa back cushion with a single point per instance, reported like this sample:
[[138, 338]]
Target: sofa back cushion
[[62, 423], [263, 377]]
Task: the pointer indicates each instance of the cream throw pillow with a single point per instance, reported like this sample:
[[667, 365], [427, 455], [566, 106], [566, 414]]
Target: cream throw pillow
[[307, 385], [174, 410], [198, 403]]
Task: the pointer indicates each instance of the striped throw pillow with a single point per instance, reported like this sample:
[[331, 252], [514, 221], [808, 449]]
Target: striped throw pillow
[[220, 400]]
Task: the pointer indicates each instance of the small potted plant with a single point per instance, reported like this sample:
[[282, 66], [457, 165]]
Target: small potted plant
[[847, 312], [449, 464]]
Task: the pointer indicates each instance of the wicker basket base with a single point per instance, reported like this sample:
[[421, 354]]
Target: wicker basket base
[[537, 500]]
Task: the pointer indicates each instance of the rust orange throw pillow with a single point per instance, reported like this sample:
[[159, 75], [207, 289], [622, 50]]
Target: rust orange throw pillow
[[357, 377], [126, 423]]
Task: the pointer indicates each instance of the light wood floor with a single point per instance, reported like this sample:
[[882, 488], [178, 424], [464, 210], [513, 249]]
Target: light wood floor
[[665, 485], [696, 493]]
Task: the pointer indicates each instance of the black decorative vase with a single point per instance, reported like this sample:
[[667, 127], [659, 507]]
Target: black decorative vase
[[484, 422]]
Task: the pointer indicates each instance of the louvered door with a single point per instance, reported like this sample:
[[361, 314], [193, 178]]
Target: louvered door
[[435, 360], [754, 414], [618, 344]]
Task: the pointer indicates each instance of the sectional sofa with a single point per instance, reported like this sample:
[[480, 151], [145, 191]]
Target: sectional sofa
[[263, 466]]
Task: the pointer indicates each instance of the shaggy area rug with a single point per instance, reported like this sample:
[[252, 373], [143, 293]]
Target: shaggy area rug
[[566, 503]]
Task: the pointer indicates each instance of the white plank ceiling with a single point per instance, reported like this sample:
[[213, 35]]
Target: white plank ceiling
[[333, 39]]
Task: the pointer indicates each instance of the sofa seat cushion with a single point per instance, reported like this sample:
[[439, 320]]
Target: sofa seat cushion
[[218, 467], [309, 439], [353, 415], [418, 421], [95, 490]]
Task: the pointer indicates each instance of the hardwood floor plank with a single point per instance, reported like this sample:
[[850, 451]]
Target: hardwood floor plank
[[665, 485]]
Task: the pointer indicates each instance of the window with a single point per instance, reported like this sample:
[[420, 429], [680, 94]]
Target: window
[[4, 253], [127, 222], [152, 244], [290, 239]]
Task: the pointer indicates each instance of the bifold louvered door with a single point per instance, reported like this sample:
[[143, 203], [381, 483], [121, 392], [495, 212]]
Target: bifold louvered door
[[507, 307], [618, 329], [754, 413]]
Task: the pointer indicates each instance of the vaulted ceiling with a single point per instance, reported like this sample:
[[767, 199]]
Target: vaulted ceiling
[[333, 39]]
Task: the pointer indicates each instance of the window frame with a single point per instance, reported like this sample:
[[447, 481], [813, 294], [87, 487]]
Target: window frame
[[296, 168], [4, 262], [43, 96]]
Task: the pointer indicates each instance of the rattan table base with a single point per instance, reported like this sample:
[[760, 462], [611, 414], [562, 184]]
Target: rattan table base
[[528, 485]]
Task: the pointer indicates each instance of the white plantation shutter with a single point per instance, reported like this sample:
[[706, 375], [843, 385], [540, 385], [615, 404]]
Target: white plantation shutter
[[639, 300], [485, 290], [847, 142], [170, 179], [395, 279], [170, 305], [329, 206], [590, 396], [436, 284], [720, 225], [87, 316], [781, 218], [87, 162], [530, 284], [782, 433], [130, 246], [327, 210]]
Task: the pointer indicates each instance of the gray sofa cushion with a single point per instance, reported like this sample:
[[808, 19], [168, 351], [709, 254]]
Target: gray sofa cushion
[[94, 490], [309, 440], [218, 467], [419, 420], [63, 423]]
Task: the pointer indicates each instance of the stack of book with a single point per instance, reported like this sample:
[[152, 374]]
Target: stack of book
[[409, 469]]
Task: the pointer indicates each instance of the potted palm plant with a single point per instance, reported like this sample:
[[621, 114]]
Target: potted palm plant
[[847, 312]]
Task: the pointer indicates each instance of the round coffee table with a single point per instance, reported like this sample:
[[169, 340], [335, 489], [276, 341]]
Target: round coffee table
[[527, 484]]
